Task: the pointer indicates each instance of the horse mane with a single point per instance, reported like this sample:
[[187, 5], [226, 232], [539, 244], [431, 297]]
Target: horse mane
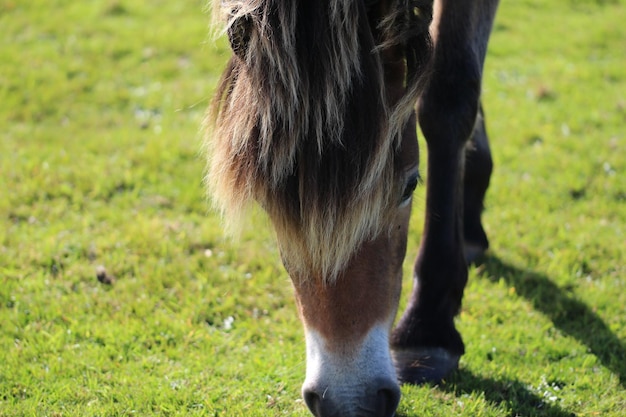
[[301, 122]]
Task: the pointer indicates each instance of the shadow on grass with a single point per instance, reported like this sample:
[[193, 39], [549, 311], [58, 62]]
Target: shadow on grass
[[568, 314], [518, 398]]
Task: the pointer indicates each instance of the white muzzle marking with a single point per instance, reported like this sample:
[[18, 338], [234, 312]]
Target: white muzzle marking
[[348, 378]]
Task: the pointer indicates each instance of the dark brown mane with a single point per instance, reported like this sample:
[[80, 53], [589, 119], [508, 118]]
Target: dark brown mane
[[302, 121]]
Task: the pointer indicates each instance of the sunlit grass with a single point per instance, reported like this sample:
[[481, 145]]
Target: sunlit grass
[[100, 108]]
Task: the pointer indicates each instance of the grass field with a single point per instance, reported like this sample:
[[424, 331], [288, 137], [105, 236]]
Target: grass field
[[100, 108]]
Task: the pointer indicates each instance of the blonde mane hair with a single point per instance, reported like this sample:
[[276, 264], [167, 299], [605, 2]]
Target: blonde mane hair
[[301, 123]]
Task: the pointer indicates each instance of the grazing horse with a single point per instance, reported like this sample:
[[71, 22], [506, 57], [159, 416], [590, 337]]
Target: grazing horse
[[315, 119]]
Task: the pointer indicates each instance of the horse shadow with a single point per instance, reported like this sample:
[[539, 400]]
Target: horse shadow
[[570, 315], [518, 398]]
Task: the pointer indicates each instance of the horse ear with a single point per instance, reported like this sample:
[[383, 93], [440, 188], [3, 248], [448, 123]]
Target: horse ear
[[239, 32]]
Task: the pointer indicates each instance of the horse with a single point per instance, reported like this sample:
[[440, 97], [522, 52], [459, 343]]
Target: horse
[[315, 119]]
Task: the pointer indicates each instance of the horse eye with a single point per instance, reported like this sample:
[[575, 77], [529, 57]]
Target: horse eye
[[409, 187]]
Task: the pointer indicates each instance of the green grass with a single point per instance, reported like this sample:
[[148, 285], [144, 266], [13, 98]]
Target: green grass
[[100, 108]]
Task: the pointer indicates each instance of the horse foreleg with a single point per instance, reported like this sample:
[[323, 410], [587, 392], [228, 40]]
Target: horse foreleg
[[426, 344]]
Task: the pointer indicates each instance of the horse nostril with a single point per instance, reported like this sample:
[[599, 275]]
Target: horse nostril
[[382, 404], [313, 401], [387, 400]]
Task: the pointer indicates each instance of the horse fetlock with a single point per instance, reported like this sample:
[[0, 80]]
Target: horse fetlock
[[474, 251]]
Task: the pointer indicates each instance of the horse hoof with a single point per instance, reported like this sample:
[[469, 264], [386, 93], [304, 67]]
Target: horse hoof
[[428, 365]]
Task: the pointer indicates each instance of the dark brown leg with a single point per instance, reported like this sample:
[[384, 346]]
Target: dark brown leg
[[478, 167], [426, 344]]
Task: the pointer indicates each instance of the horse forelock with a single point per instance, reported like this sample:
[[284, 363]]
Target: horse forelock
[[300, 124]]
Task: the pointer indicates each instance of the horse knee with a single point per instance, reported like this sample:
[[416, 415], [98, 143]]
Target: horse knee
[[448, 107]]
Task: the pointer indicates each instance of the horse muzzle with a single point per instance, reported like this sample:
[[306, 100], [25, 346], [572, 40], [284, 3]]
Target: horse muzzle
[[379, 400], [351, 383]]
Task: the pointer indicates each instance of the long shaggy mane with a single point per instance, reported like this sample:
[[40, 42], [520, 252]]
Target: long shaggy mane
[[302, 124]]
